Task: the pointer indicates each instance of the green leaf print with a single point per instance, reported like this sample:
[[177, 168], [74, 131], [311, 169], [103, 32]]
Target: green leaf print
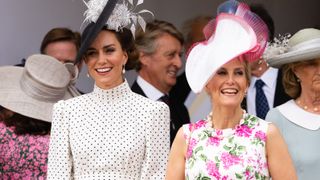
[[239, 176], [227, 147], [198, 149], [203, 157]]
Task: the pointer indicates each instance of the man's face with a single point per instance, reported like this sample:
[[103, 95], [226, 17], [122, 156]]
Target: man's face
[[160, 68], [64, 51]]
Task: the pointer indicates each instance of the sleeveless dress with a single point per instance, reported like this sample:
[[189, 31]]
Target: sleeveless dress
[[237, 153]]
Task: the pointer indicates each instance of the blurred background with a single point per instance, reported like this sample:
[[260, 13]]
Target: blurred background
[[24, 23]]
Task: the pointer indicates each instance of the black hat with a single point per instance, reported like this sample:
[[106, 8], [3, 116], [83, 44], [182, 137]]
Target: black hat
[[93, 28]]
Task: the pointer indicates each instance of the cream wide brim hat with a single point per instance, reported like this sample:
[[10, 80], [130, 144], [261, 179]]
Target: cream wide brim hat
[[32, 90], [302, 46]]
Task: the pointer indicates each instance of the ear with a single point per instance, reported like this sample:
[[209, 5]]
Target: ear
[[144, 58], [125, 56]]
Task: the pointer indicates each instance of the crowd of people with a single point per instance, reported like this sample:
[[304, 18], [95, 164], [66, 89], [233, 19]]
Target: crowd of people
[[258, 97]]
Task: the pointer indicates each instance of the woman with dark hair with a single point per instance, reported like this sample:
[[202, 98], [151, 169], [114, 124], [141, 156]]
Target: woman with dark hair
[[27, 96], [299, 118], [112, 132]]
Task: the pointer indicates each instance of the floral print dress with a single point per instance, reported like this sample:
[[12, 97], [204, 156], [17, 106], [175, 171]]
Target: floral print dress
[[22, 156], [237, 153]]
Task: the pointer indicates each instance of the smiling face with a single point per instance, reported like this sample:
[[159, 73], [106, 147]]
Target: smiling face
[[105, 59], [228, 86], [309, 74], [160, 68]]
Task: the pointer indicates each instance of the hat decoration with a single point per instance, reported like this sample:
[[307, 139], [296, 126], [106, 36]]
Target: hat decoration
[[302, 46], [122, 15], [111, 13], [279, 45], [235, 32]]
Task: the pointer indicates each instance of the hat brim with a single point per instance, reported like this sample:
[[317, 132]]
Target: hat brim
[[294, 56], [232, 38], [16, 100]]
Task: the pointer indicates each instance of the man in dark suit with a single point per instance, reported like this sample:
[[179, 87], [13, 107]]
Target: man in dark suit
[[272, 78], [160, 48]]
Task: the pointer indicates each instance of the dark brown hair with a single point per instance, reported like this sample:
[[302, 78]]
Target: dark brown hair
[[23, 124], [60, 34], [126, 40]]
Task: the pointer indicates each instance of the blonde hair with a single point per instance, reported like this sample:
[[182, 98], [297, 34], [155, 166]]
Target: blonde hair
[[290, 81]]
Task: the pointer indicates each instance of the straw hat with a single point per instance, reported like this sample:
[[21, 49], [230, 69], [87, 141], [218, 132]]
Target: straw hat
[[235, 32], [32, 90], [302, 46]]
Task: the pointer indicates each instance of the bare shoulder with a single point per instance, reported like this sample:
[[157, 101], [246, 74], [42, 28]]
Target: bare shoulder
[[273, 131]]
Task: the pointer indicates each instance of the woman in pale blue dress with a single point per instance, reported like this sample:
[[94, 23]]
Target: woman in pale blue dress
[[299, 118]]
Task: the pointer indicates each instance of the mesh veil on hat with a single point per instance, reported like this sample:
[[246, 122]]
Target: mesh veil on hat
[[302, 46], [235, 32], [32, 90]]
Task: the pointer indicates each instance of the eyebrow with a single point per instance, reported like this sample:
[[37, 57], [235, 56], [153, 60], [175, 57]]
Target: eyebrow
[[106, 46]]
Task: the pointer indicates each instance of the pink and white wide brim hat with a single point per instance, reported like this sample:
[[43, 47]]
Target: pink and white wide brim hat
[[235, 32]]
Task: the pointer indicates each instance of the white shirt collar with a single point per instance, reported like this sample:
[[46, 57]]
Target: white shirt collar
[[297, 115], [150, 91], [268, 77]]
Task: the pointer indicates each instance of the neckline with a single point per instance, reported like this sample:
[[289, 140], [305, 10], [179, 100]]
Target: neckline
[[242, 120], [295, 114], [227, 132], [113, 94]]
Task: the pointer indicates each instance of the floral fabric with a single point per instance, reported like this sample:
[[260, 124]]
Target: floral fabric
[[237, 153], [24, 156]]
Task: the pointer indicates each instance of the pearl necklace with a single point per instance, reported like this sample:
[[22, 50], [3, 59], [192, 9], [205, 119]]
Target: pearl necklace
[[210, 120], [306, 108]]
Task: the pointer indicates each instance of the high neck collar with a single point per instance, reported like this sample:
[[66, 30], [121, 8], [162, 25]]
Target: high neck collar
[[113, 94]]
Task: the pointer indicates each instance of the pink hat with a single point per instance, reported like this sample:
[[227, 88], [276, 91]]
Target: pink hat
[[235, 32]]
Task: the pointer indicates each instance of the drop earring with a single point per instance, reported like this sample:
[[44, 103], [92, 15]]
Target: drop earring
[[123, 69], [88, 75]]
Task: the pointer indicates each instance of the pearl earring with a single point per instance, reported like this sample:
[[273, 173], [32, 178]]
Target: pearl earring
[[88, 75], [123, 69]]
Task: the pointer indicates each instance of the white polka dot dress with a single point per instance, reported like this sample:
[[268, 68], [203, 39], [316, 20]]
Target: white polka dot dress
[[109, 134]]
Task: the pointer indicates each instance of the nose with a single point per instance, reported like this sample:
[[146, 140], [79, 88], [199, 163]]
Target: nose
[[102, 59], [230, 79], [177, 61]]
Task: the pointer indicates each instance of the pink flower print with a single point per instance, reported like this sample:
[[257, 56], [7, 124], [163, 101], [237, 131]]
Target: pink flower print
[[197, 125], [215, 141], [5, 168], [261, 135], [213, 170], [191, 145], [229, 160], [243, 130], [11, 144]]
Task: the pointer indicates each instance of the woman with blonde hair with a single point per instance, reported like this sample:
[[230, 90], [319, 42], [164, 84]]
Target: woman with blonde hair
[[229, 143], [299, 118]]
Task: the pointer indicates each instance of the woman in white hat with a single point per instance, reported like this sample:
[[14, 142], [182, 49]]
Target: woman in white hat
[[299, 118], [27, 96], [229, 143], [112, 132]]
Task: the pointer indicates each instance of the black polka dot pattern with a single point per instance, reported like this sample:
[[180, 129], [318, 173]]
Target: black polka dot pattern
[[109, 134]]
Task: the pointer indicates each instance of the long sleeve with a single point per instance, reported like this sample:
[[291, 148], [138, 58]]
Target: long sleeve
[[60, 158], [157, 144]]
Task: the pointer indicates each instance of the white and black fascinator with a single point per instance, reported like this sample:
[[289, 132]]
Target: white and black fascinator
[[113, 14]]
